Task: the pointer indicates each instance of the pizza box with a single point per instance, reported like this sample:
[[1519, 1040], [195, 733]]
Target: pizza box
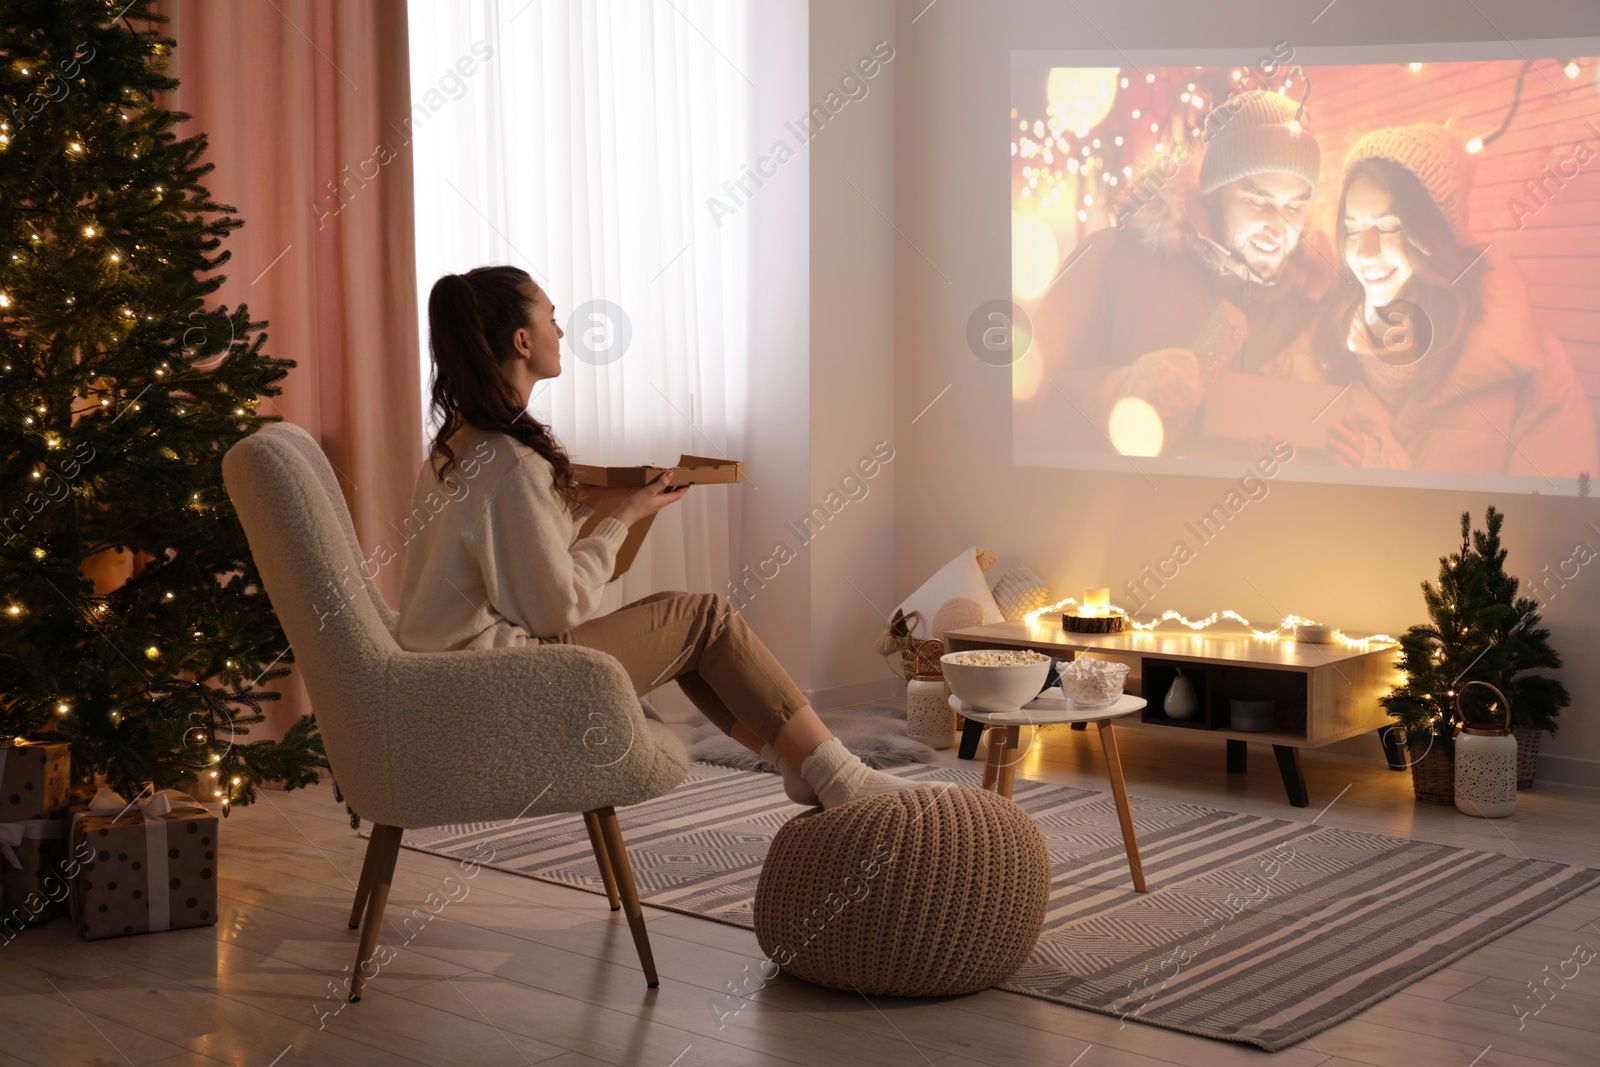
[[607, 487], [691, 470]]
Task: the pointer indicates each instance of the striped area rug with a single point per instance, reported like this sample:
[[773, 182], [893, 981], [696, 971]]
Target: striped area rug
[[1261, 931]]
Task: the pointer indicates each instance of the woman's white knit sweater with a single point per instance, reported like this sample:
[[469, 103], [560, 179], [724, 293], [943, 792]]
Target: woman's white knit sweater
[[494, 557]]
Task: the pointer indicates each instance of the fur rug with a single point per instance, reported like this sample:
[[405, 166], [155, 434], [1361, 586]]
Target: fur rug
[[876, 734]]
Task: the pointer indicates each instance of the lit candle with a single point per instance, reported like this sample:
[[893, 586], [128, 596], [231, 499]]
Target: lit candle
[[1097, 602]]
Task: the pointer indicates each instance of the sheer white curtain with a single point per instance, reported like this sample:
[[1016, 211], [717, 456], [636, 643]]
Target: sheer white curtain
[[581, 142]]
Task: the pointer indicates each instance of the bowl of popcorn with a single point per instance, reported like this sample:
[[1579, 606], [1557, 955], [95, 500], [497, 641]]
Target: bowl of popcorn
[[995, 679], [1091, 683]]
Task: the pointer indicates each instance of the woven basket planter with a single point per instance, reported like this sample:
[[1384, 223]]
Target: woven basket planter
[[919, 657], [1433, 774], [923, 660], [923, 892], [1527, 754]]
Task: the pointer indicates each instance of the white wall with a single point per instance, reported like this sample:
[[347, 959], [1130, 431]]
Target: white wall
[[1352, 555], [777, 448], [853, 253]]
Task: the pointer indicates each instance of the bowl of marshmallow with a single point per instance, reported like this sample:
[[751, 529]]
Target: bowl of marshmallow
[[1091, 683]]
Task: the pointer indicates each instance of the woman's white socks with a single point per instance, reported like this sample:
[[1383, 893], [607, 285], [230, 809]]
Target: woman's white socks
[[795, 786], [839, 776]]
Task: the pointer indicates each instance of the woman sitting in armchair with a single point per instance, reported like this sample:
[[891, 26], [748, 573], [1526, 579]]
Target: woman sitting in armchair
[[501, 562]]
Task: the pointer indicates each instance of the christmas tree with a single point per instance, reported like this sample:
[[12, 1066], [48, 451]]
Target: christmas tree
[[119, 393], [1480, 631]]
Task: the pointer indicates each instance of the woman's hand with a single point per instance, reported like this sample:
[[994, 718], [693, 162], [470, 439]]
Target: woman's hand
[[651, 499]]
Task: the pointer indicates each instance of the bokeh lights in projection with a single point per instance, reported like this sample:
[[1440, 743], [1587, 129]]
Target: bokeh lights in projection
[[1067, 171]]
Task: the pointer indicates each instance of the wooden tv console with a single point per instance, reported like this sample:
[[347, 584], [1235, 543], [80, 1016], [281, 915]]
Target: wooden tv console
[[1323, 693]]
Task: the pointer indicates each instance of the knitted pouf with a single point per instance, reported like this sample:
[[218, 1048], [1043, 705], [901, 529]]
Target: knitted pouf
[[924, 892]]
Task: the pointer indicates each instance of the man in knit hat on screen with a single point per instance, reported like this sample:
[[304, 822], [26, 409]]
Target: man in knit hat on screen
[[1208, 272]]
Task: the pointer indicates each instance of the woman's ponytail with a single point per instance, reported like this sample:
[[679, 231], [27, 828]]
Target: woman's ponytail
[[471, 320]]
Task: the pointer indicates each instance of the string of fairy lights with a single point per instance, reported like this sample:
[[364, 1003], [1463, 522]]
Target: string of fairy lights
[[1289, 625], [1080, 100], [108, 400]]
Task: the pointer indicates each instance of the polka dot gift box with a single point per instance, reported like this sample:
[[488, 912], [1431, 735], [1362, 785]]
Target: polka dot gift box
[[34, 877], [33, 779], [154, 865]]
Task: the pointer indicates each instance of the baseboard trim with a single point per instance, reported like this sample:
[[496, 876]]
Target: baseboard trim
[[1556, 770], [887, 690], [1568, 770]]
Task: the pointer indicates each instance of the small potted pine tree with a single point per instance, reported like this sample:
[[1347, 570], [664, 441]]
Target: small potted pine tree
[[1480, 630]]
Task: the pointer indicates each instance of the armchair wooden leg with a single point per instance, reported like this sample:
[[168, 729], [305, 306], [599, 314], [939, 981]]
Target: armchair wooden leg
[[364, 886], [598, 842], [382, 851], [618, 855]]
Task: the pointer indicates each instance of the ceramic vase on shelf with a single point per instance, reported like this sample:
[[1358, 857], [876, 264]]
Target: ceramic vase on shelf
[[1180, 702], [929, 718], [1486, 764]]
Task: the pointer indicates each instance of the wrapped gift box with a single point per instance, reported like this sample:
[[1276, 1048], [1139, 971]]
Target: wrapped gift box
[[154, 865], [34, 877], [33, 778]]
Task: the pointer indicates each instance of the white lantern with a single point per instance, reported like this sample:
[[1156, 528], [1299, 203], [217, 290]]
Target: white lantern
[[1486, 764], [929, 717]]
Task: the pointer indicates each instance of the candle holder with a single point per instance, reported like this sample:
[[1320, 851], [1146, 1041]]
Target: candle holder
[[1104, 621]]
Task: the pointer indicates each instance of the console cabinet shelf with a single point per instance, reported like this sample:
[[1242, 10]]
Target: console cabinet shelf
[[1320, 693]]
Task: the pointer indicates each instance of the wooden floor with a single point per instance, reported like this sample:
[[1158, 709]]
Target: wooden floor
[[519, 972]]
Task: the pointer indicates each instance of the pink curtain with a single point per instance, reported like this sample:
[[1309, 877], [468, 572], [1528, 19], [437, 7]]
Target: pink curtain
[[294, 97]]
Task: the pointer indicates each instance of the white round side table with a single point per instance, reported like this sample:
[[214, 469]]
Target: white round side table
[[1051, 707]]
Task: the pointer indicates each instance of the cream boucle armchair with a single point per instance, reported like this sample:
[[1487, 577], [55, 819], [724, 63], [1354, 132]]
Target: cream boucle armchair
[[421, 739]]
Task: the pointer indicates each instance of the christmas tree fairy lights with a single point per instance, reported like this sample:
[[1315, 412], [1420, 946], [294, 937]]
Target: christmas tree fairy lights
[[132, 622]]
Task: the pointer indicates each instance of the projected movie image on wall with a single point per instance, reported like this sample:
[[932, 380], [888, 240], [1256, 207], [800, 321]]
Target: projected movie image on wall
[[1394, 268]]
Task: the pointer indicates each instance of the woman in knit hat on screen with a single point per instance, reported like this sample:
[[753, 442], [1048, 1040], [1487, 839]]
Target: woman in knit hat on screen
[[1451, 371]]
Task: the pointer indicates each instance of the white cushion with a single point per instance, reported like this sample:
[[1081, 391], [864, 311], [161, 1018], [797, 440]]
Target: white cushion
[[960, 578], [1020, 591]]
